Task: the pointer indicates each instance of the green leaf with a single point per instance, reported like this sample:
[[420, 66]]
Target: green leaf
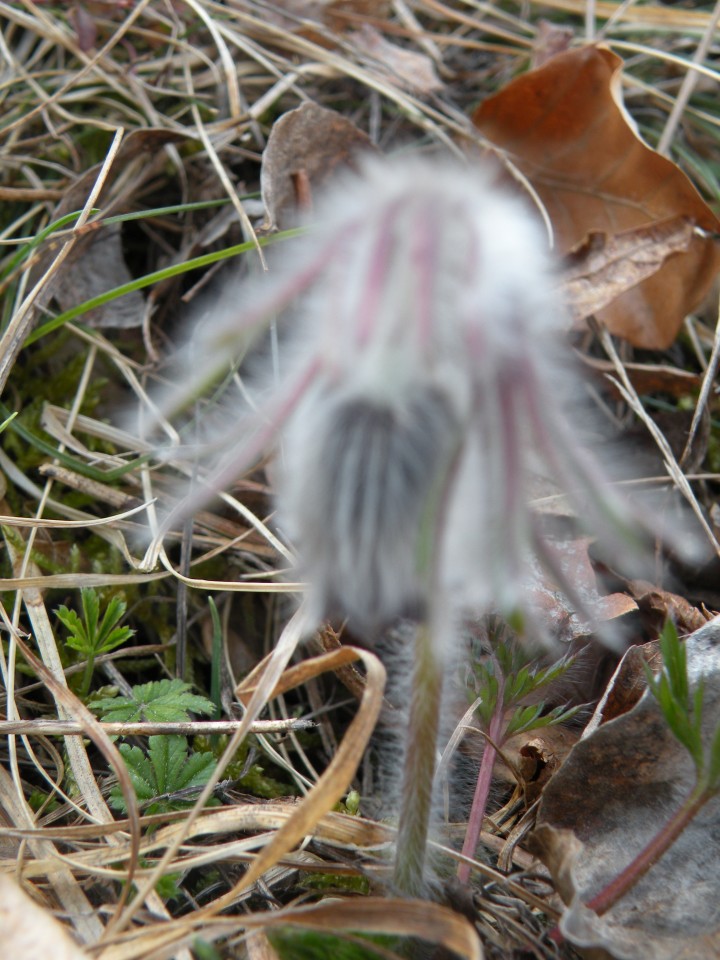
[[671, 689], [85, 635], [291, 943], [91, 611], [109, 636], [158, 701], [78, 639], [165, 770]]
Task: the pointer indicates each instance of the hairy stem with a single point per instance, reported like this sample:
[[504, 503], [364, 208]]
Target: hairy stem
[[419, 769], [482, 787]]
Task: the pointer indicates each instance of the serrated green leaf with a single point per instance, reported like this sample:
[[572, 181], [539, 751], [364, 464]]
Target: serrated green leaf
[[91, 610], [166, 769], [157, 701], [140, 771], [77, 639], [671, 689], [109, 636]]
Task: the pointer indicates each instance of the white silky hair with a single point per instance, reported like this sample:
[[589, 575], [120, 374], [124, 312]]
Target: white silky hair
[[436, 282], [421, 362]]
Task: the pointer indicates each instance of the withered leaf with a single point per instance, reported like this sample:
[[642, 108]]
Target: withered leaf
[[409, 69], [604, 266], [565, 128], [29, 931], [305, 148], [615, 791], [565, 623]]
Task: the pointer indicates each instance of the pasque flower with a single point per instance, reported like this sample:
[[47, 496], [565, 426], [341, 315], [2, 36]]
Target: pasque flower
[[421, 378], [420, 381]]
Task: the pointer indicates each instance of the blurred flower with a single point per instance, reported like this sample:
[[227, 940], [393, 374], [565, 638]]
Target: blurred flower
[[420, 381]]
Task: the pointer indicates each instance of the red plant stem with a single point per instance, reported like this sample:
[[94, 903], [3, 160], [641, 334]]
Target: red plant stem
[[648, 856], [482, 787], [661, 842]]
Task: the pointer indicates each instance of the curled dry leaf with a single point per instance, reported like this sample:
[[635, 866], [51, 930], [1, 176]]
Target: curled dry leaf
[[413, 918], [605, 266], [564, 622], [305, 148], [408, 69], [564, 126], [615, 791]]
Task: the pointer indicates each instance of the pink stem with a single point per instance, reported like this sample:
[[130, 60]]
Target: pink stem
[[636, 870], [484, 781]]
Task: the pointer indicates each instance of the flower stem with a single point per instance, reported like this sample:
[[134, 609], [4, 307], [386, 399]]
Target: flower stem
[[659, 844], [419, 768], [648, 856], [482, 787]]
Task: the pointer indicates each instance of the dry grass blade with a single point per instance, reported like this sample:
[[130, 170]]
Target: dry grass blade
[[412, 918], [14, 335], [146, 123], [336, 779]]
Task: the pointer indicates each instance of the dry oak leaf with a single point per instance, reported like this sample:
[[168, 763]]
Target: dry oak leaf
[[565, 127]]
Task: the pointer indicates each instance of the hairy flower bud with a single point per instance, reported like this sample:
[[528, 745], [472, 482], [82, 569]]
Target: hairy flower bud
[[421, 360]]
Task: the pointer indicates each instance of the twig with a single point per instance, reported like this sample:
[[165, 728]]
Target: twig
[[190, 727]]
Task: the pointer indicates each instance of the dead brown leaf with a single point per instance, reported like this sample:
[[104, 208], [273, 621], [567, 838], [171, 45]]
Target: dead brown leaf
[[305, 148], [409, 69], [565, 623], [658, 605], [565, 128], [614, 792], [605, 266], [96, 263]]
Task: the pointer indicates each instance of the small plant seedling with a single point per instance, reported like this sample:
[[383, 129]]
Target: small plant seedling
[[682, 711], [501, 684], [89, 636], [161, 701], [166, 777]]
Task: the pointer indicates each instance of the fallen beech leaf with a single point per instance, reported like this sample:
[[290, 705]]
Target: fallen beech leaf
[[30, 932], [605, 266], [408, 69], [565, 128], [304, 149], [615, 791]]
